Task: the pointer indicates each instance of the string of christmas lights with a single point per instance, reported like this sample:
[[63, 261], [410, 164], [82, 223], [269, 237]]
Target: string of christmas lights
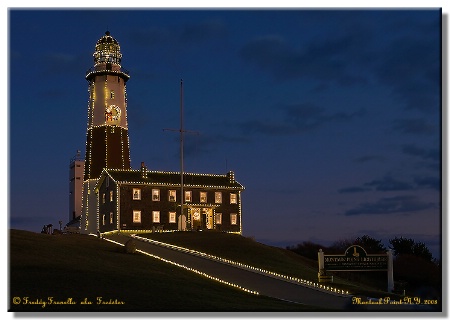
[[296, 280]]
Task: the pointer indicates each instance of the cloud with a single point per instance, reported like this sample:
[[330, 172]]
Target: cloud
[[310, 116], [429, 182], [198, 144], [330, 59], [404, 57], [414, 126], [296, 119], [399, 204], [353, 190], [265, 127], [425, 154], [411, 68], [429, 158], [202, 31], [150, 36], [369, 158], [193, 33], [389, 184]]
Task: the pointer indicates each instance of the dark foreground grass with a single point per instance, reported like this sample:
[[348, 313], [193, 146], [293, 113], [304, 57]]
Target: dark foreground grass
[[247, 251], [75, 270]]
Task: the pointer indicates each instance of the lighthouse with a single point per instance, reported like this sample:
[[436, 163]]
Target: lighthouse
[[107, 144], [107, 141]]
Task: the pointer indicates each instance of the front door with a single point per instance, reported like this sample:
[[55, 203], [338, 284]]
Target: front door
[[202, 218], [207, 218]]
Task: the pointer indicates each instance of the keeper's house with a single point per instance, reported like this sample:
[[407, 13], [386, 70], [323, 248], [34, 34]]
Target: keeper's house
[[143, 201]]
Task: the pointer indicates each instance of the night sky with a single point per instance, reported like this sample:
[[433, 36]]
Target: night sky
[[331, 119]]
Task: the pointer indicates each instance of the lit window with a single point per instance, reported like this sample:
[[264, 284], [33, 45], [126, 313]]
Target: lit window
[[136, 216], [218, 218], [203, 197], [233, 218], [111, 195], [172, 195], [188, 196], [172, 217], [218, 197], [155, 194], [233, 198], [136, 194], [111, 218], [112, 94], [155, 216], [103, 197], [103, 220]]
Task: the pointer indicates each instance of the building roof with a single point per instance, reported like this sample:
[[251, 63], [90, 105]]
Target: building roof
[[163, 178]]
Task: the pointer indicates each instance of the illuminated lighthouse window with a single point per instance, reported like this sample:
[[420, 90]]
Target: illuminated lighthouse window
[[112, 113]]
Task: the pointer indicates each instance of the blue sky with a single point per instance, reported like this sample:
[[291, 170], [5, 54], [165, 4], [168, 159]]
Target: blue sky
[[331, 119]]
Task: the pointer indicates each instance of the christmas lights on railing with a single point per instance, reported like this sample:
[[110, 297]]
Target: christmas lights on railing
[[121, 71], [106, 125], [191, 269], [244, 266]]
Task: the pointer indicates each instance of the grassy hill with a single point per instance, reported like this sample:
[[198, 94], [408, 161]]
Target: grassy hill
[[81, 268]]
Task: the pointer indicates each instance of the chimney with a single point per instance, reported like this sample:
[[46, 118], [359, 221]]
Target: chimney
[[143, 170], [230, 176]]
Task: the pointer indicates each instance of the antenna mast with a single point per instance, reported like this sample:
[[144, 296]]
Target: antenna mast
[[182, 221], [181, 155]]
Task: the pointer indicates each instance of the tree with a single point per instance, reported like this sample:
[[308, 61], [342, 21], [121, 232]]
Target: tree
[[421, 250], [307, 249], [371, 245], [404, 246], [339, 247]]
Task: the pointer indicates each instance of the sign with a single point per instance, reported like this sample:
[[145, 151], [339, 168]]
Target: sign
[[356, 258]]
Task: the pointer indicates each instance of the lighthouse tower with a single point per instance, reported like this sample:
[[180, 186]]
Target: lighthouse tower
[[107, 142]]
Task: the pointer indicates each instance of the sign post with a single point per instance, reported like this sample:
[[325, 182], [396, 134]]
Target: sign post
[[323, 277], [390, 271]]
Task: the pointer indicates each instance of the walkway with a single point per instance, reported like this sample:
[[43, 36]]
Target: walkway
[[264, 284]]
